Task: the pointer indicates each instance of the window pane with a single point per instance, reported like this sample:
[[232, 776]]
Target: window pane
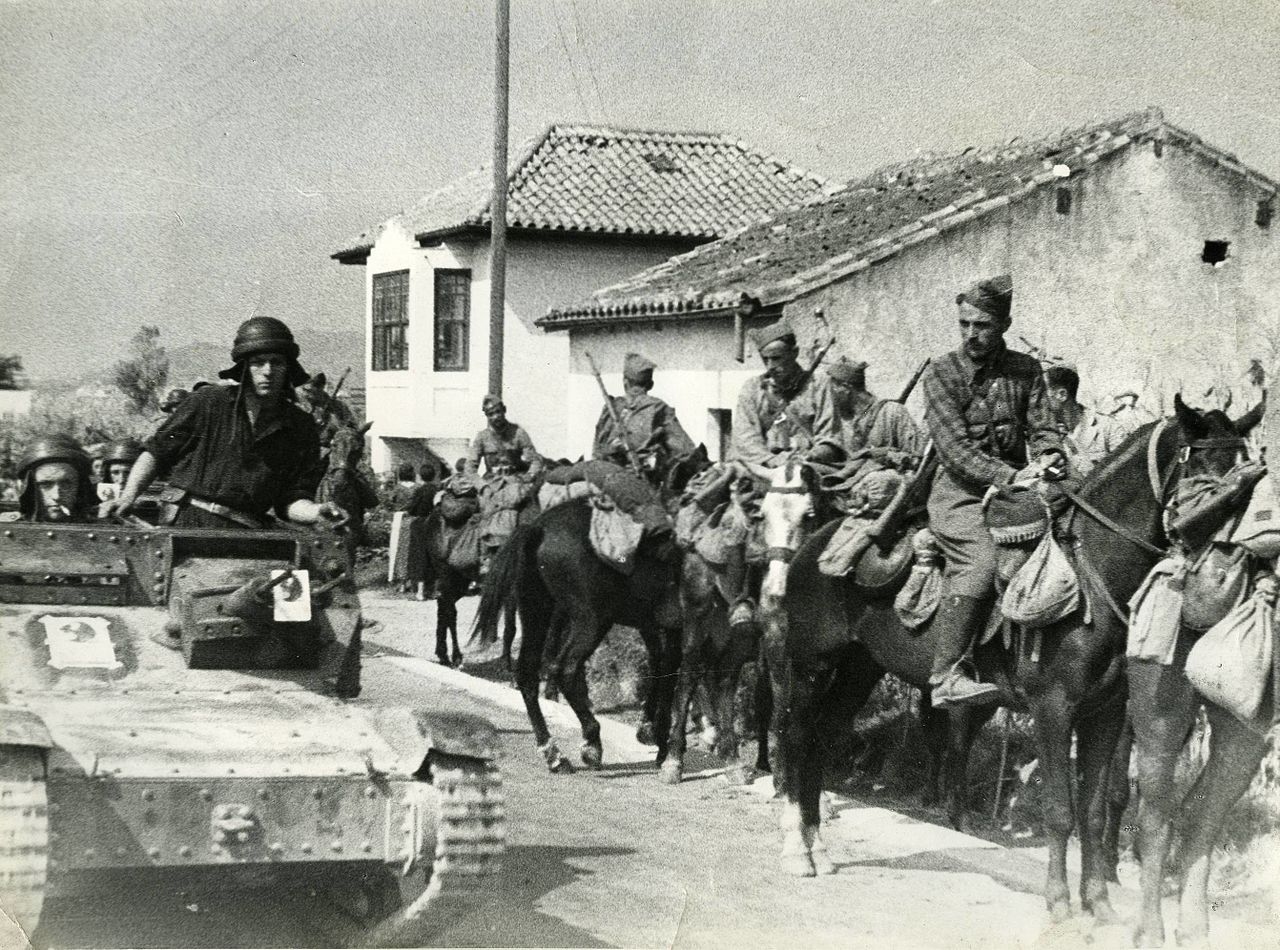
[[390, 320], [453, 319]]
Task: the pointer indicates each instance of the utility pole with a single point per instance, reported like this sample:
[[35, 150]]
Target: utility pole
[[498, 233]]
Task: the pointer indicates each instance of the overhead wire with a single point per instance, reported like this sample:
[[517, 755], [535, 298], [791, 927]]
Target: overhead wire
[[579, 35], [573, 71]]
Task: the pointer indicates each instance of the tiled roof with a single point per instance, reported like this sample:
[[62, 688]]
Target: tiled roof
[[598, 179], [848, 229]]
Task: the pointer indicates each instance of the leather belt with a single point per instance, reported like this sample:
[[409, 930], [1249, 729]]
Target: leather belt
[[222, 511]]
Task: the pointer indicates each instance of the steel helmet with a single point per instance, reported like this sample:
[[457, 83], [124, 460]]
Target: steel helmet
[[259, 335], [126, 450]]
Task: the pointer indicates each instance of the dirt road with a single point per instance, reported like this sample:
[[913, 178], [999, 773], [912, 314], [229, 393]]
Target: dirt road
[[613, 858]]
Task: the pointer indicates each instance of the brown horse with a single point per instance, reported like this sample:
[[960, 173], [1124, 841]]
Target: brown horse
[[840, 643], [1163, 707]]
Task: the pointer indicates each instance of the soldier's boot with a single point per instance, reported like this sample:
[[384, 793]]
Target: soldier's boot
[[957, 623], [742, 610]]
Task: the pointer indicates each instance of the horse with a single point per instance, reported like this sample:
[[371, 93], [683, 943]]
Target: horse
[[713, 655], [1163, 707], [551, 570], [840, 643], [345, 486]]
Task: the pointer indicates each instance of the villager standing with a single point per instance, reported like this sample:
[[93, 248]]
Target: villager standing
[[988, 414], [237, 453], [649, 426], [785, 412], [1087, 436], [867, 421], [512, 469]]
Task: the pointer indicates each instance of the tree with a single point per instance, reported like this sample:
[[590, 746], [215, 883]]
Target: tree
[[10, 372], [144, 373]]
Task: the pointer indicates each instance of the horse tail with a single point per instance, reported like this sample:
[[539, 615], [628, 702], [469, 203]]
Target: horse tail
[[501, 586]]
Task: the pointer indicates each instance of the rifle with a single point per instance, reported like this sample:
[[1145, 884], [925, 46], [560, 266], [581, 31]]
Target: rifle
[[343, 378], [632, 457], [915, 378]]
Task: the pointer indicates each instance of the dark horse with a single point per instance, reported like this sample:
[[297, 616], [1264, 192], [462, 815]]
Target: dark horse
[[345, 486], [556, 577], [839, 644]]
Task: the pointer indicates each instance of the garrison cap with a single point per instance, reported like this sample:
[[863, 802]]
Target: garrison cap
[[638, 368], [847, 371], [492, 402], [781, 330], [994, 295]]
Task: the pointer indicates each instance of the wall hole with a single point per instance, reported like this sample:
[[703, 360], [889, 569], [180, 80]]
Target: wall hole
[[1064, 200], [1266, 209], [1215, 252]]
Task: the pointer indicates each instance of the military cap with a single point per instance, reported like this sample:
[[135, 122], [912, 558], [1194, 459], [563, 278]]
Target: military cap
[[847, 371], [781, 330], [492, 402], [994, 295], [126, 450], [319, 381], [259, 335], [638, 368]]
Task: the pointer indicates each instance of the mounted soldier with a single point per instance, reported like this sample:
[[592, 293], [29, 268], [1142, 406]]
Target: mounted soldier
[[509, 486], [56, 485], [235, 454], [1087, 435], [867, 421], [988, 414], [784, 412], [649, 426]]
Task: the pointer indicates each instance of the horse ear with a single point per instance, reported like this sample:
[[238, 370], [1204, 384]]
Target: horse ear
[[1245, 424], [364, 429], [1190, 419]]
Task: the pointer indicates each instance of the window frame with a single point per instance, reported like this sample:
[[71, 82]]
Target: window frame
[[383, 343], [454, 357]]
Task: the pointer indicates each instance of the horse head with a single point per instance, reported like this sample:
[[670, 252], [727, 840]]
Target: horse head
[[788, 511], [1211, 442], [683, 470]]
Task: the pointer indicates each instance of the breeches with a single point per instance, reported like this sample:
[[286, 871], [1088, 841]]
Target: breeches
[[956, 519]]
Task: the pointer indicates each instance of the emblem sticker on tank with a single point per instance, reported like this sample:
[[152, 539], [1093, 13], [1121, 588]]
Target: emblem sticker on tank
[[79, 642]]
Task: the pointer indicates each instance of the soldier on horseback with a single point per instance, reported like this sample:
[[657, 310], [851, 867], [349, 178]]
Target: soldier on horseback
[[512, 467], [988, 414], [784, 411], [649, 426], [865, 420]]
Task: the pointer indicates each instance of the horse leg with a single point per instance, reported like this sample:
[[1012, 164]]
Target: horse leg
[[645, 732], [447, 614], [528, 678], [933, 722], [963, 724], [1052, 717], [1162, 706], [1095, 758], [772, 658], [1117, 801], [808, 680], [763, 703], [727, 749], [585, 637], [1235, 752]]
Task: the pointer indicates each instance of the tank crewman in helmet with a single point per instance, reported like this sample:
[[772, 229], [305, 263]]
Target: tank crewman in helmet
[[97, 467], [649, 425], [119, 459], [988, 413], [240, 452], [512, 466], [56, 485]]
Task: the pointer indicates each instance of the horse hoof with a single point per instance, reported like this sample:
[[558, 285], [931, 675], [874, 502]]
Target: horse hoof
[[1059, 911], [442, 659], [798, 865], [644, 734], [1102, 912], [556, 762], [1145, 939], [739, 774], [827, 807], [670, 773], [457, 661], [822, 864], [592, 755]]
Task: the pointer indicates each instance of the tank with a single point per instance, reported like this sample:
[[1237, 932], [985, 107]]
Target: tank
[[185, 701]]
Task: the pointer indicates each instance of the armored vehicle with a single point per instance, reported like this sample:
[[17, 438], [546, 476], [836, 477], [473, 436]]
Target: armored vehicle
[[185, 700]]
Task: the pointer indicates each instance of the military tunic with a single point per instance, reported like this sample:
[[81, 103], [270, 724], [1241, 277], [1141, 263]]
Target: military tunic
[[642, 416], [881, 423], [512, 449], [986, 420], [209, 447], [770, 424]]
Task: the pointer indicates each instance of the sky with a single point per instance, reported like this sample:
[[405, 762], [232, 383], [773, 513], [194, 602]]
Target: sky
[[190, 164]]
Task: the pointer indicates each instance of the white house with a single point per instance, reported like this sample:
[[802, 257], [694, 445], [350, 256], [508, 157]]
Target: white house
[[1139, 253], [586, 206]]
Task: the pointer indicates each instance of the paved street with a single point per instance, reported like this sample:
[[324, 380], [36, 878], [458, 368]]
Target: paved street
[[613, 858]]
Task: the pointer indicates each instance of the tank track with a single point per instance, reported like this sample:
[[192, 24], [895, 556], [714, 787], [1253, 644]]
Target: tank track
[[24, 835], [464, 799]]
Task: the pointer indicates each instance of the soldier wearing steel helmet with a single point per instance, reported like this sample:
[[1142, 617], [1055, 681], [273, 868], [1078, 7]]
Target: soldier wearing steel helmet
[[56, 483], [236, 454]]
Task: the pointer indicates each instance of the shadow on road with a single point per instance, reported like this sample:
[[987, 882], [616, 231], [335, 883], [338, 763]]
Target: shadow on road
[[1016, 872]]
